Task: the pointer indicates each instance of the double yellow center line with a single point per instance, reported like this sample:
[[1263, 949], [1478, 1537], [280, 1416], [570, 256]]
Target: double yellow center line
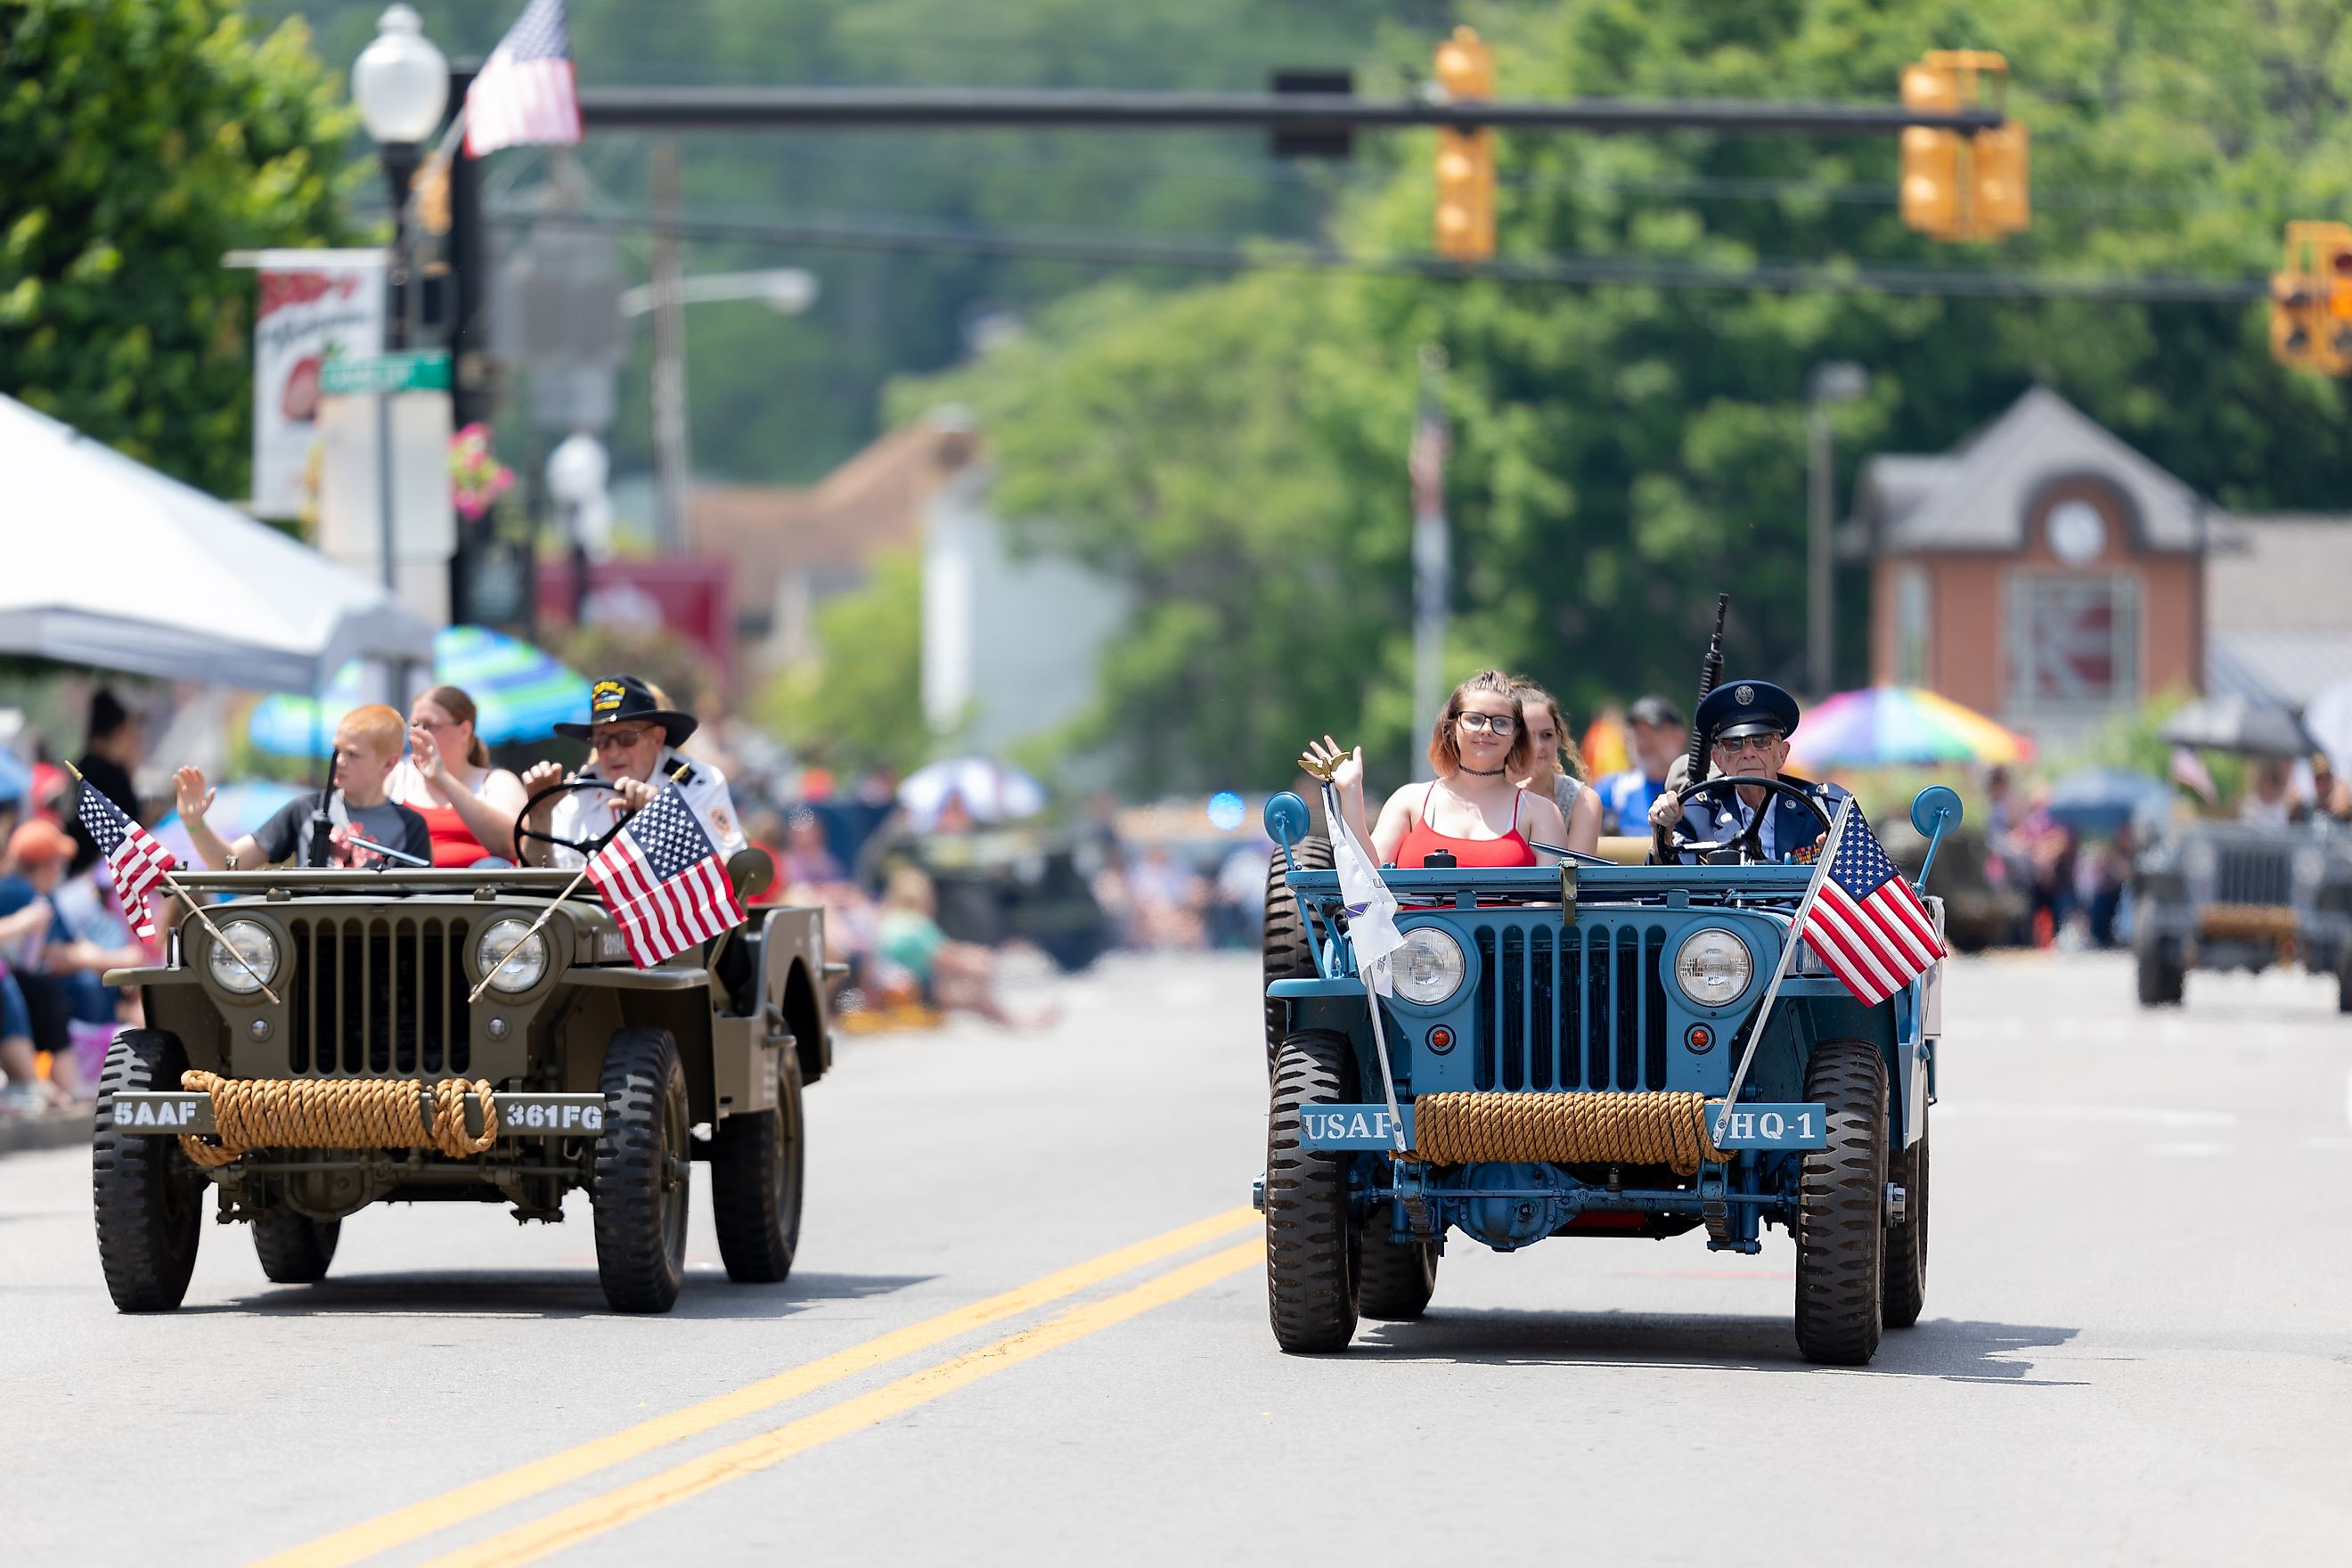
[[617, 1506]]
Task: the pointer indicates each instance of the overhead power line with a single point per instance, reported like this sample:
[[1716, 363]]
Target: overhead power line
[[1218, 256]]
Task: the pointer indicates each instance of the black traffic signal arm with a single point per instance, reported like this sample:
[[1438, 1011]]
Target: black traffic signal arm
[[681, 108]]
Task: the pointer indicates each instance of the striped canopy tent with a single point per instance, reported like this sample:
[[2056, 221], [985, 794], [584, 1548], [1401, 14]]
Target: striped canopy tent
[[522, 693], [1897, 726]]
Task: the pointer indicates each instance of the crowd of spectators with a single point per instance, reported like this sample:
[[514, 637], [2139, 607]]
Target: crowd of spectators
[[61, 927]]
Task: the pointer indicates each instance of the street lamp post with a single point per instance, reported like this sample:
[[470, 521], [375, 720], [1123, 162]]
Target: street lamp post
[[401, 84], [1837, 381]]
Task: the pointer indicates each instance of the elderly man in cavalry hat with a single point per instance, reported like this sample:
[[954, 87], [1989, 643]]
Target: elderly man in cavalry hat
[[634, 734], [1748, 724]]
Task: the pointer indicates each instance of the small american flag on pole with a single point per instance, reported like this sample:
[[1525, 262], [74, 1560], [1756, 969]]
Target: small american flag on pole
[[662, 881], [1864, 921], [131, 853], [525, 94]]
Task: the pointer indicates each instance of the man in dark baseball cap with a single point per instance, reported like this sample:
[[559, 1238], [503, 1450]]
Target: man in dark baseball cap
[[1656, 736]]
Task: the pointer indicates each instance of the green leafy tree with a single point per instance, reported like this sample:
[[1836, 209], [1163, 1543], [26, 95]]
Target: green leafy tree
[[140, 140], [858, 704], [1620, 453]]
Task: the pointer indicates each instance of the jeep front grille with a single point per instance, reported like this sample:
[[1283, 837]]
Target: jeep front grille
[[1584, 1007], [2254, 874], [379, 994]]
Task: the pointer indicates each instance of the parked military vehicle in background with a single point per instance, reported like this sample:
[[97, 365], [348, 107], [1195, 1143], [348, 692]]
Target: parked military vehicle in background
[[2234, 895]]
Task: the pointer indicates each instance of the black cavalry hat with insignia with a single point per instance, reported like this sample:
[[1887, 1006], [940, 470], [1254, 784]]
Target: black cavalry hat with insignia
[[1739, 708], [625, 699]]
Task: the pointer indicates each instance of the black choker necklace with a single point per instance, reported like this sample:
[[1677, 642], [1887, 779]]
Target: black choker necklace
[[1477, 774]]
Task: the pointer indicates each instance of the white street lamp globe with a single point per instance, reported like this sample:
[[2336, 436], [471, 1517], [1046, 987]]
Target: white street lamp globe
[[577, 469], [401, 82]]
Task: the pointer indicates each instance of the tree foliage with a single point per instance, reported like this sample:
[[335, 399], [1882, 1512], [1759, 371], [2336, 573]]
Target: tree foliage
[[857, 704], [1620, 453], [140, 141]]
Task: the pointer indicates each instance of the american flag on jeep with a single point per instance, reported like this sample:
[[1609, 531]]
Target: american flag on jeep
[[137, 861], [662, 881], [1864, 921]]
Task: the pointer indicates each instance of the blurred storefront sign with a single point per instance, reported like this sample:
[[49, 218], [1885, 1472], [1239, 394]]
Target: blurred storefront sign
[[685, 595], [314, 305]]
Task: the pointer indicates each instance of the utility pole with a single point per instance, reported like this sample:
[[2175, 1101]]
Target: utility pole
[[1839, 381], [1431, 551], [673, 454]]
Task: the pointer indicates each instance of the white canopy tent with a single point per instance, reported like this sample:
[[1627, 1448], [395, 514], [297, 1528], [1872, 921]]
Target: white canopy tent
[[111, 564]]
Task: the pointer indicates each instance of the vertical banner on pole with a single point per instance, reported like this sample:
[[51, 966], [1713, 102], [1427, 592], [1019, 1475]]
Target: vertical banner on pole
[[314, 304]]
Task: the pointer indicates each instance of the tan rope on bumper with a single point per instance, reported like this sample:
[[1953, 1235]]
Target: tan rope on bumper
[[336, 1113], [1668, 1129]]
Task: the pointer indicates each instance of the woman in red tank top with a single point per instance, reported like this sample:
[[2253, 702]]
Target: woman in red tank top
[[446, 778], [1473, 812]]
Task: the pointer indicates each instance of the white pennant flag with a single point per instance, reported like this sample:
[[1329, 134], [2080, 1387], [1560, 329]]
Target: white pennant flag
[[1371, 907]]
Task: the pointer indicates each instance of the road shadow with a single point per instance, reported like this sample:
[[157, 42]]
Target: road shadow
[[544, 1293], [1950, 1350]]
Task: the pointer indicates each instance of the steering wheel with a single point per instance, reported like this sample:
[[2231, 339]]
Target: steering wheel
[[1748, 840], [563, 786]]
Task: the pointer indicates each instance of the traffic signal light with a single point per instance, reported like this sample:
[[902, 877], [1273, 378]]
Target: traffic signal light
[[1466, 159], [1957, 186], [1930, 192], [2311, 299]]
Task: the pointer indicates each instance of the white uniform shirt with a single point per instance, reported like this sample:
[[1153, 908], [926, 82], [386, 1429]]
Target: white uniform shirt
[[589, 814]]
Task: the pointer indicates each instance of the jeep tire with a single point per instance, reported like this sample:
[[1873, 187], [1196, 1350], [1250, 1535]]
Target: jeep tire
[[1393, 1283], [295, 1249], [146, 1197], [1311, 1255], [1287, 942], [756, 1165], [643, 1166], [2160, 979], [1841, 1208], [1906, 1242]]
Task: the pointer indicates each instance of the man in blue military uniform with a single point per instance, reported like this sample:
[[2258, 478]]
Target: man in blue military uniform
[[1748, 724]]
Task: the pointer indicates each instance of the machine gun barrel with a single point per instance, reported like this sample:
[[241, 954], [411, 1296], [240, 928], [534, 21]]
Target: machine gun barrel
[[1710, 671]]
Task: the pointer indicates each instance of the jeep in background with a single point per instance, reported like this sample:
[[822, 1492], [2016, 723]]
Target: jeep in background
[[2230, 894], [603, 1077]]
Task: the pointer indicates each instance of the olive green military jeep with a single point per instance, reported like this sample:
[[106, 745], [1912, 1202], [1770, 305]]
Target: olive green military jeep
[[310, 1049]]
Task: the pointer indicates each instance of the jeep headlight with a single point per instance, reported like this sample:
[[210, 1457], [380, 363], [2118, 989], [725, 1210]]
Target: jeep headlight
[[511, 954], [243, 958], [1428, 967], [1713, 967]]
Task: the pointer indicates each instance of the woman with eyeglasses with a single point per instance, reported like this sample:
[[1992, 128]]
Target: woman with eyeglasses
[[469, 807], [1472, 811], [635, 735]]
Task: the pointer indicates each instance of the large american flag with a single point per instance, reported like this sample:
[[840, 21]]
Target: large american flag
[[1864, 921], [131, 853], [662, 881], [525, 94]]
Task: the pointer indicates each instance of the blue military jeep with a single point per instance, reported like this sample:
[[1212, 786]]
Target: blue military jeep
[[1561, 1041]]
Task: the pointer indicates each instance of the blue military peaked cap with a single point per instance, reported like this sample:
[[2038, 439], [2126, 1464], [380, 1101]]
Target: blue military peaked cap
[[1737, 707]]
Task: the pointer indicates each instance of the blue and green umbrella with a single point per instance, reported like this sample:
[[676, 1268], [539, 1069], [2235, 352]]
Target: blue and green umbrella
[[522, 692]]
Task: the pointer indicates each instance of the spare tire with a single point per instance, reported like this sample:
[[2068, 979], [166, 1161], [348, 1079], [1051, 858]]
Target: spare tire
[[1287, 942]]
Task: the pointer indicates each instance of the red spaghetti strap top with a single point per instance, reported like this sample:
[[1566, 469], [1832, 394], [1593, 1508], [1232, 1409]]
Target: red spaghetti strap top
[[454, 842], [1510, 849]]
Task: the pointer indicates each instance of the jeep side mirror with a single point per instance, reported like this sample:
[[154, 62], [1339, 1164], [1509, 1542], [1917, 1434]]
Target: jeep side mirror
[[1934, 811], [753, 870], [1287, 822]]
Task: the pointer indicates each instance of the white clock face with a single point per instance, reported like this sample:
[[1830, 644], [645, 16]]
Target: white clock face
[[2078, 534]]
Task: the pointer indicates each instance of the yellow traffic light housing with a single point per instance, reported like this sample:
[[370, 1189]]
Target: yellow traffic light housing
[[1957, 186], [2311, 299], [1464, 220]]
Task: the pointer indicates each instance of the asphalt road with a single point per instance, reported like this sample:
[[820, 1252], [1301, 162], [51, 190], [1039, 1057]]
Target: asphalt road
[[1028, 1326]]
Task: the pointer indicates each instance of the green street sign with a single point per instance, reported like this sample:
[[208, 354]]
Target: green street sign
[[424, 371]]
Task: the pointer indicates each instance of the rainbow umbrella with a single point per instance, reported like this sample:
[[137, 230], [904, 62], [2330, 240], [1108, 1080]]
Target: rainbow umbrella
[[1889, 726], [522, 693]]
